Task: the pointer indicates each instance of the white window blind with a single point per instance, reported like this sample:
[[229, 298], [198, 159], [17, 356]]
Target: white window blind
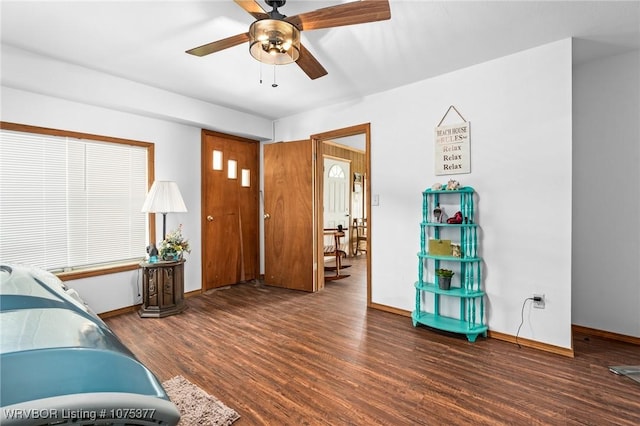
[[68, 203]]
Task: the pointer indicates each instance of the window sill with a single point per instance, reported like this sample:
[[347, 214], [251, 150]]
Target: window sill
[[97, 271]]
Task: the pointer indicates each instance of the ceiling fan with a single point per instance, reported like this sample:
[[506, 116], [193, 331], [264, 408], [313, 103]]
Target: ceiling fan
[[275, 38]]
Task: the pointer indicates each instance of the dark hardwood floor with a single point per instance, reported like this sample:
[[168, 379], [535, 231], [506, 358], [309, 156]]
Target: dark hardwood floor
[[282, 357]]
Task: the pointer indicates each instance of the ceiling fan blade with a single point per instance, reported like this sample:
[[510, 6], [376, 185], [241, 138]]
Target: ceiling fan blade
[[310, 64], [219, 45], [253, 8], [357, 12]]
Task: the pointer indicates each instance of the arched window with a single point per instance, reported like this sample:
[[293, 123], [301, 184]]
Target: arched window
[[336, 172]]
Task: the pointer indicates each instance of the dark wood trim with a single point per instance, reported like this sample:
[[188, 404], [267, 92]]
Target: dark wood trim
[[348, 148], [151, 167], [531, 343], [193, 293], [343, 132], [317, 179], [606, 334], [68, 133], [370, 219], [135, 308], [494, 334], [121, 311], [94, 272], [345, 160], [390, 309], [205, 132]]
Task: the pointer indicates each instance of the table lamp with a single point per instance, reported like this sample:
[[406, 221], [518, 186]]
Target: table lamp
[[164, 197]]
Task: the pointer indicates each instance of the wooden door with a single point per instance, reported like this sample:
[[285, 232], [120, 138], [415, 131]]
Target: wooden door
[[337, 197], [289, 229], [229, 209]]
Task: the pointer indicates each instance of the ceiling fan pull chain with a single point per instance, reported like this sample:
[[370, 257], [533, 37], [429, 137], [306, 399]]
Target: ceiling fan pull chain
[[274, 77]]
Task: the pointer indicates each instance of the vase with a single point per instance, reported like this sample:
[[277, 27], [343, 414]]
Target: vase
[[444, 283], [168, 256]]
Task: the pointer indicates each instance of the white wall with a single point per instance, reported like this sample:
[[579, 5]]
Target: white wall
[[606, 200], [177, 155], [34, 73], [519, 108], [520, 112], [40, 91]]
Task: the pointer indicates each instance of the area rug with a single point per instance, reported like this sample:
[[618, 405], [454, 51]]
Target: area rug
[[196, 406]]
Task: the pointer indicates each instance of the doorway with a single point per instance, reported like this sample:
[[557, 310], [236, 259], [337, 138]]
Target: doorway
[[337, 197], [229, 210], [358, 138]]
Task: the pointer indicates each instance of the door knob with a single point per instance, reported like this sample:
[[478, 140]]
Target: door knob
[[209, 218], [267, 216]]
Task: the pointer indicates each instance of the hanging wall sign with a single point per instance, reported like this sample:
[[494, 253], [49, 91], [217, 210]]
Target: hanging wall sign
[[452, 152]]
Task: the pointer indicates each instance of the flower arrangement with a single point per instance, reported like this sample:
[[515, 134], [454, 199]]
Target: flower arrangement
[[174, 244]]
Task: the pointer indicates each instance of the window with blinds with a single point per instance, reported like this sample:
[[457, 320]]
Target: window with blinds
[[70, 203]]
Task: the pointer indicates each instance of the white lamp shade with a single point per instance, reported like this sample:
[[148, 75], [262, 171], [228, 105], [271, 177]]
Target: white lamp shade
[[164, 197]]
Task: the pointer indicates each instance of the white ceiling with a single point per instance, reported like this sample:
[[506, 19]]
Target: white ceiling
[[145, 41]]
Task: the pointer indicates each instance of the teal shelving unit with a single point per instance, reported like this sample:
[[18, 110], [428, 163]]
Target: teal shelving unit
[[468, 293]]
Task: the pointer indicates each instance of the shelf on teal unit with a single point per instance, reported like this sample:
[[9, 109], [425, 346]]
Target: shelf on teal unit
[[466, 189], [454, 291], [449, 225], [453, 325], [449, 258]]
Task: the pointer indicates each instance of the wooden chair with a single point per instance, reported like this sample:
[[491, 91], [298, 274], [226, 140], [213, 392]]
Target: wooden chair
[[333, 250], [360, 232]]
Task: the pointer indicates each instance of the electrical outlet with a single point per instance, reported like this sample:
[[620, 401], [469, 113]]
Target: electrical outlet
[[538, 301]]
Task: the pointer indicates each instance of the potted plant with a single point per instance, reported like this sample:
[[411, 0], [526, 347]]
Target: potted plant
[[174, 245], [444, 278]]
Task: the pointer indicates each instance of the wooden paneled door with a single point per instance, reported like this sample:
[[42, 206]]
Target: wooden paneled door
[[229, 209], [289, 230], [337, 198]]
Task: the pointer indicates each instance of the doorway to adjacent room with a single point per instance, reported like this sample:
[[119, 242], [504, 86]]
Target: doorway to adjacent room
[[351, 145]]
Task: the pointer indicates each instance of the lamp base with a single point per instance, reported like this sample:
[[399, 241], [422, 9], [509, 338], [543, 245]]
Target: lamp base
[[164, 226]]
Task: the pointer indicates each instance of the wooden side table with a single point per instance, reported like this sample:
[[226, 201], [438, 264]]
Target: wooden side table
[[162, 289]]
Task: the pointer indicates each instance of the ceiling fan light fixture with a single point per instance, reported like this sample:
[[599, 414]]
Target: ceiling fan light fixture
[[280, 40]]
